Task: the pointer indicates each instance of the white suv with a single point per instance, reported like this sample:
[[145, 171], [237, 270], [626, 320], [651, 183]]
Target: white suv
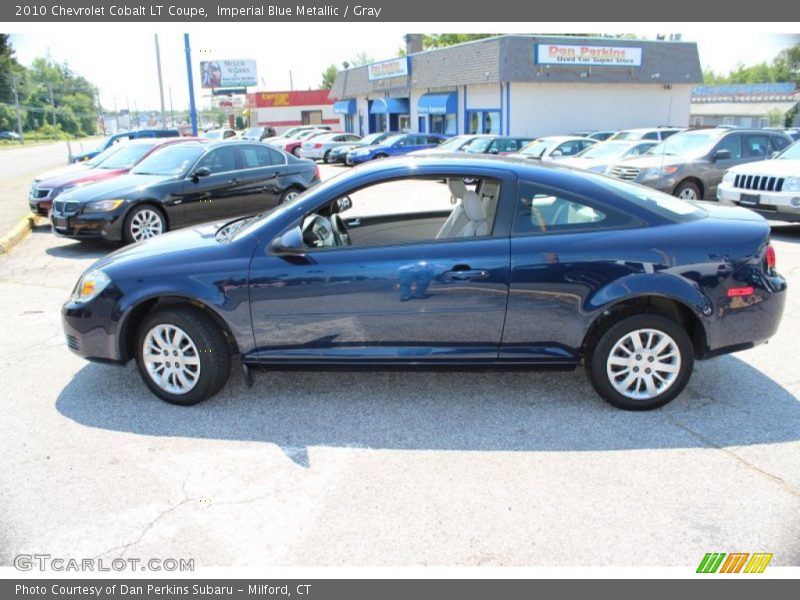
[[769, 187]]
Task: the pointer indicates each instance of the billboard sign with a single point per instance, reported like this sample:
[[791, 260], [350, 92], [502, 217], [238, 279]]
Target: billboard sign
[[588, 56], [227, 73], [397, 67]]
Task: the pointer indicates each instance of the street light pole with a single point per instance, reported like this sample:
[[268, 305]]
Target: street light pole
[[192, 107], [16, 104], [160, 83]]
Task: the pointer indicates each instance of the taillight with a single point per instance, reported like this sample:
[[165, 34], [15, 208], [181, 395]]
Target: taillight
[[769, 257], [317, 145], [316, 171]]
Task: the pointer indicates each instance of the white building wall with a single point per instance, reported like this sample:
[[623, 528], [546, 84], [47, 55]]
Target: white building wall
[[285, 117], [551, 109], [485, 95]]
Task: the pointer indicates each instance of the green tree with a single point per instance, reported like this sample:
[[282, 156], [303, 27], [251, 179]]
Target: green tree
[[328, 77]]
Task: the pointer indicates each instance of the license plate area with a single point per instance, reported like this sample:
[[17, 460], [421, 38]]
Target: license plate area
[[60, 223], [749, 200]]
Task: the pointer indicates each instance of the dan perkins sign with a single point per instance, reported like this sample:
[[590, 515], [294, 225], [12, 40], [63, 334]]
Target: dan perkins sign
[[397, 67], [588, 56]]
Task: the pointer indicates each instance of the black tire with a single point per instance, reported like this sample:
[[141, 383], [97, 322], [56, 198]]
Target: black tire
[[129, 234], [598, 354], [686, 188], [326, 158], [212, 348], [296, 152], [380, 156], [289, 193]]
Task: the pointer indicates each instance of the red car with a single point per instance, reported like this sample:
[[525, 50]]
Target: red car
[[293, 146], [117, 163]]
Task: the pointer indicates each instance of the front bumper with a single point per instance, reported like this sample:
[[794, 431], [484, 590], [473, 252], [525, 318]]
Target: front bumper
[[782, 206], [357, 160], [97, 226], [91, 330]]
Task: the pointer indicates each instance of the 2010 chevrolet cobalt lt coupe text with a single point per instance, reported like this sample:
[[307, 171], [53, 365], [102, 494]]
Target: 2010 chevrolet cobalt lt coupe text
[[531, 265]]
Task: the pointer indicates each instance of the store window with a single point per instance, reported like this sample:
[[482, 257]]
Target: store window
[[404, 123], [311, 117], [483, 121], [348, 123]]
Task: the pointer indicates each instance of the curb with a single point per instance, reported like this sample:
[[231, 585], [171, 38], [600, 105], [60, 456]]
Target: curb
[[18, 233]]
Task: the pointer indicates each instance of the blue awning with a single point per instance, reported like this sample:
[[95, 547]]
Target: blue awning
[[345, 107], [442, 103], [393, 106]]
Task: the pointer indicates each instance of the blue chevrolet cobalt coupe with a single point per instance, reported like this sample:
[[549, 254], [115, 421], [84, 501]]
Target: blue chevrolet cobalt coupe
[[401, 264]]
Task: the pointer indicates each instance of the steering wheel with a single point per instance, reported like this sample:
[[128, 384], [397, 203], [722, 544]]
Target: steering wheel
[[340, 231], [318, 232]]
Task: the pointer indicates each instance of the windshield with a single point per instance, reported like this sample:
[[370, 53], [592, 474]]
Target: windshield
[[791, 153], [214, 135], [172, 160], [693, 143], [537, 147], [392, 139], [254, 131], [604, 150], [454, 144], [478, 145], [372, 138], [127, 156], [629, 135], [664, 205], [104, 155]]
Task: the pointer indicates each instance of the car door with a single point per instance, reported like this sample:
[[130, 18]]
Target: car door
[[564, 247], [716, 165], [217, 195], [422, 300], [261, 170]]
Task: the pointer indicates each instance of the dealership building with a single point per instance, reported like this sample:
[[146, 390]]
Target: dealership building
[[745, 105], [522, 85], [284, 110]]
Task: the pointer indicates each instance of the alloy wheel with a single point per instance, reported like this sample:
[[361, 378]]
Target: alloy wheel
[[171, 359], [145, 224], [643, 364]]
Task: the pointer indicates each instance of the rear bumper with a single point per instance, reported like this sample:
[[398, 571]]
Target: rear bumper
[[311, 153]]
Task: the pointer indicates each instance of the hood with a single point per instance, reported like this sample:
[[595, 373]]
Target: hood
[[653, 160], [63, 171], [777, 167], [124, 186], [167, 245], [81, 178]]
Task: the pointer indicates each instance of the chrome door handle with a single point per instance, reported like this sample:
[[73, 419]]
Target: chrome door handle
[[466, 274]]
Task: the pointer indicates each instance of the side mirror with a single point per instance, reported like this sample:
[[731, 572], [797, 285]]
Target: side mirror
[[722, 154], [556, 153], [494, 151], [201, 172], [343, 204], [289, 244]]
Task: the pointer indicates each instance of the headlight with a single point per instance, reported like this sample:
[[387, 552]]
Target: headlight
[[89, 286], [728, 177], [103, 205], [791, 184], [659, 171]]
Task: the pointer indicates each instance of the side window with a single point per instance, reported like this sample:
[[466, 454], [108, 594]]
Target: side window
[[255, 156], [732, 143], [569, 148], [651, 135], [757, 146], [402, 142], [219, 160], [276, 157], [541, 211], [637, 150], [352, 138], [778, 143]]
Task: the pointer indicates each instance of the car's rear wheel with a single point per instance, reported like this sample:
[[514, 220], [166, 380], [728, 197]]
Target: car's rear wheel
[[326, 158], [641, 362], [290, 194], [688, 190], [142, 223], [296, 152], [182, 355], [380, 156]]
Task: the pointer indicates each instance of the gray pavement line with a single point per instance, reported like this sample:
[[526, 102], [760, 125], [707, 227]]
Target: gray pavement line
[[707, 442], [120, 550]]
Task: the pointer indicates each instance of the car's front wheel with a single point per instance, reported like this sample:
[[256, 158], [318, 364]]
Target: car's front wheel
[[142, 223], [326, 158], [182, 355], [688, 191], [641, 362]]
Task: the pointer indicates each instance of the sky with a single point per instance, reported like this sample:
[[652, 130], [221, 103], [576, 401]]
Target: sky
[[121, 61]]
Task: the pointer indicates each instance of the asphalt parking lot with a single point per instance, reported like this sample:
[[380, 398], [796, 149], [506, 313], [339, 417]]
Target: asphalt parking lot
[[374, 469]]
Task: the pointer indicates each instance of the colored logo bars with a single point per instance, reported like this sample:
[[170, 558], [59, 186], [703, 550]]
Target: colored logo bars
[[736, 562]]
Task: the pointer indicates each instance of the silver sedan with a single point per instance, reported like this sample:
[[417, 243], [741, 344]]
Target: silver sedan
[[321, 145]]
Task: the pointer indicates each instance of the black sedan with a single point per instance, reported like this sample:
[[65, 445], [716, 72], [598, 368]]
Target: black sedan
[[182, 185], [532, 266]]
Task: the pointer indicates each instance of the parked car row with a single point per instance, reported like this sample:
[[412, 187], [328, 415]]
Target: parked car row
[[143, 188]]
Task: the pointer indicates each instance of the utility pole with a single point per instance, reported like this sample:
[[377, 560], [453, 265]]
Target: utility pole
[[291, 84], [100, 108], [171, 111], [116, 116], [52, 101], [160, 83], [192, 107], [16, 104]]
